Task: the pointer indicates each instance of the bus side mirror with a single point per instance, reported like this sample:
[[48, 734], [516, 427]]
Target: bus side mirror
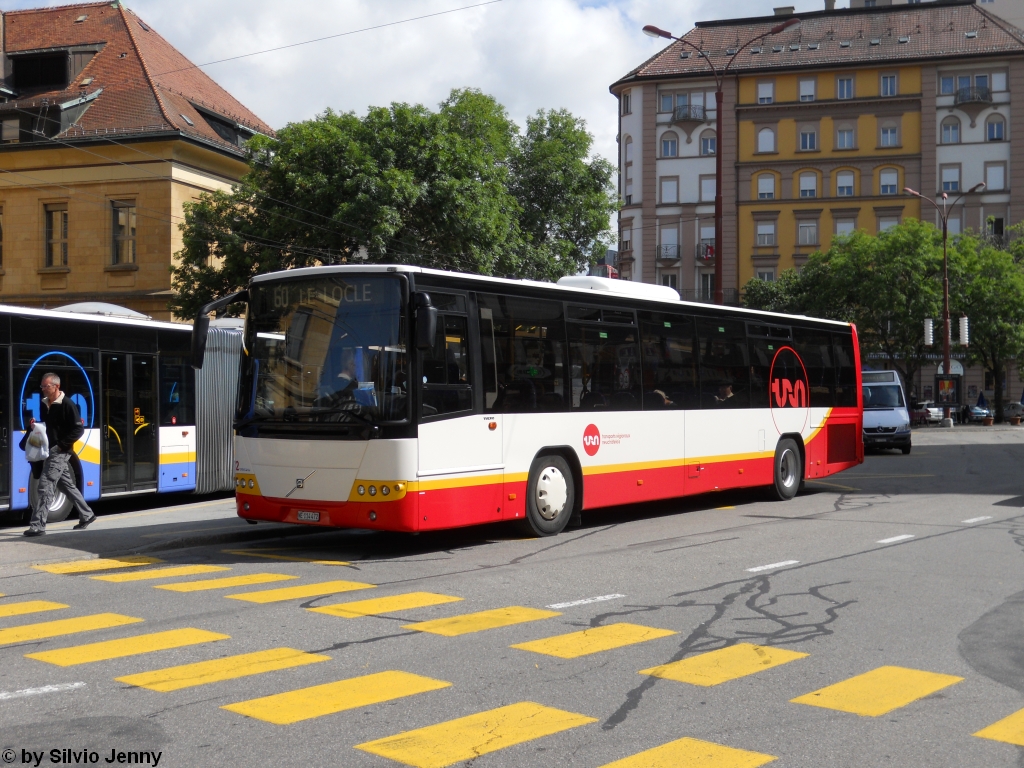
[[426, 321], [201, 326]]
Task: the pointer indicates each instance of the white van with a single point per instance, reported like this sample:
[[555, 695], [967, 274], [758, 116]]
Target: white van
[[886, 418]]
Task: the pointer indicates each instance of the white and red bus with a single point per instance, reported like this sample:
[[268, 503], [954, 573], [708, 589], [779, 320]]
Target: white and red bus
[[408, 399]]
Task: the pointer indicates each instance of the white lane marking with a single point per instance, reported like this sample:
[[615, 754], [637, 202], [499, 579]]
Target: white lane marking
[[773, 565], [894, 539], [574, 603], [977, 519], [4, 695]]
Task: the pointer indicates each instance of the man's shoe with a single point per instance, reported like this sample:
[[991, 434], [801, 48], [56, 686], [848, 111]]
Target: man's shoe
[[33, 532], [84, 524]]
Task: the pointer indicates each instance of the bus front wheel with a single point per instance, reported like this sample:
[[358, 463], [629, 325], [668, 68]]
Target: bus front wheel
[[550, 495], [60, 504], [789, 471]]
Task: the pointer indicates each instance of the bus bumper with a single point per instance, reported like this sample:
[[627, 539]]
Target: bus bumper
[[399, 515]]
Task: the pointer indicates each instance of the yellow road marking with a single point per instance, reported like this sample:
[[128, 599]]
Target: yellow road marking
[[693, 753], [879, 691], [129, 646], [289, 558], [594, 640], [161, 573], [1009, 729], [229, 581], [47, 629], [218, 670], [327, 699], [477, 622], [444, 744], [294, 593], [384, 605], [723, 665], [29, 606], [99, 564]]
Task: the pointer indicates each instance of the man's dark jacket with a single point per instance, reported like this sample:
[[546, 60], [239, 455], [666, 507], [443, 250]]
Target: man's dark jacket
[[63, 425]]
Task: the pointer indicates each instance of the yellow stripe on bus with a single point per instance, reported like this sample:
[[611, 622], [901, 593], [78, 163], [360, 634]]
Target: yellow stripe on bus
[[177, 458]]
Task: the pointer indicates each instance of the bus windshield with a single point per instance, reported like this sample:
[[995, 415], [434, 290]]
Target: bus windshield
[[329, 349], [877, 396]]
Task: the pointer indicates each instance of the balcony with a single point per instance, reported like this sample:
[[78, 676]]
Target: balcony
[[668, 253], [973, 101], [690, 117], [706, 250]]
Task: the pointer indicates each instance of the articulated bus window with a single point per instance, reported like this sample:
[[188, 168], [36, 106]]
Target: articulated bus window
[[815, 349], [724, 374], [177, 395], [605, 364], [762, 352], [670, 375], [846, 371], [526, 340], [445, 367]]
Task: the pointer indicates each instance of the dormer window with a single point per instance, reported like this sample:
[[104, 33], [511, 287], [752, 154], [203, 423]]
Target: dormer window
[[227, 129], [48, 71]]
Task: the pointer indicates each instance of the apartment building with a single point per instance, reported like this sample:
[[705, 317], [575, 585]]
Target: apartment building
[[106, 132], [824, 125]]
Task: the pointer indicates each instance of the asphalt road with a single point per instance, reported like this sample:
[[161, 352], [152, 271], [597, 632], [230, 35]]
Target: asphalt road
[[874, 620]]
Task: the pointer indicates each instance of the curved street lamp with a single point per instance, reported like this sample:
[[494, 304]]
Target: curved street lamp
[[947, 421], [719, 74]]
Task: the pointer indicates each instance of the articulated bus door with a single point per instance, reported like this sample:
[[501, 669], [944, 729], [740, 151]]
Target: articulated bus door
[[130, 423], [5, 428]]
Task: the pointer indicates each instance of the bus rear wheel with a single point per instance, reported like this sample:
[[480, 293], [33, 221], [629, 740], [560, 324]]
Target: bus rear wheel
[[789, 470], [60, 504], [550, 495]]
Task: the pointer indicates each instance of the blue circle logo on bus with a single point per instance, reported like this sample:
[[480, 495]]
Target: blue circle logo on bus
[[789, 391], [85, 406]]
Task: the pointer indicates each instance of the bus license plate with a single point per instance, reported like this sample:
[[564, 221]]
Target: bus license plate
[[313, 517]]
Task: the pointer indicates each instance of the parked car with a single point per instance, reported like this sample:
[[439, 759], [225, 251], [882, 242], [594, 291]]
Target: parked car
[[978, 413], [925, 413], [1013, 409]]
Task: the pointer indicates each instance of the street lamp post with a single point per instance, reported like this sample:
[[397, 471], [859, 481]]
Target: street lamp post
[[947, 420], [719, 75]]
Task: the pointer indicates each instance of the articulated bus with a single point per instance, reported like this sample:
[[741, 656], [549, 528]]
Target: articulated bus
[[152, 425], [407, 399]]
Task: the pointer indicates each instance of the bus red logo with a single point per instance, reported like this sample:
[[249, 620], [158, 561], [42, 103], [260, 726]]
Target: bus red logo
[[591, 439], [789, 387]]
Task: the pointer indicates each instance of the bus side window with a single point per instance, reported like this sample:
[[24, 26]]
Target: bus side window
[[177, 397], [670, 375], [445, 369], [489, 357], [815, 349], [605, 364], [724, 370], [846, 371]]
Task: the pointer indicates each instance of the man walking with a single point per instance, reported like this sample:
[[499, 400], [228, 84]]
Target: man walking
[[63, 428]]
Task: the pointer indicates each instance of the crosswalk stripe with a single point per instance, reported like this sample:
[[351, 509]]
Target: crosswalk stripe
[[288, 558], [294, 593], [218, 670], [444, 744], [29, 606], [384, 605], [128, 646], [60, 627], [327, 699], [879, 691], [725, 664], [477, 622], [229, 581], [161, 573], [1009, 730], [693, 753], [594, 640], [98, 564]]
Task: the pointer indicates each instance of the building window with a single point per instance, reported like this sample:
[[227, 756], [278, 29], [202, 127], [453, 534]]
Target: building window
[[666, 102], [951, 179], [766, 233], [995, 176], [888, 181], [766, 187], [707, 285], [995, 129], [947, 85], [950, 131], [998, 81], [10, 130], [669, 191], [808, 90], [844, 184], [889, 136], [844, 88], [953, 226], [886, 223], [808, 185], [707, 188], [845, 226], [123, 232], [627, 239], [669, 145], [844, 138], [768, 275], [994, 225], [670, 281], [765, 93], [629, 149], [627, 103], [766, 140], [888, 85], [708, 143], [807, 233], [56, 235], [808, 139]]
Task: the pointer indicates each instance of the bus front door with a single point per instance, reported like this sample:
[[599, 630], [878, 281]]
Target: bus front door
[[130, 425], [5, 430]]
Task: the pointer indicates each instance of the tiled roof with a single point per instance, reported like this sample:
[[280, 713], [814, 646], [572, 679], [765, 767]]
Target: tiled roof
[[147, 84], [840, 38]]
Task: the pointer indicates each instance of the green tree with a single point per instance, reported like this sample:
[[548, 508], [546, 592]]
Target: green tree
[[460, 189]]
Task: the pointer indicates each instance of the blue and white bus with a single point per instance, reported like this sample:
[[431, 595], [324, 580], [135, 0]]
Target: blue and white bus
[[152, 423]]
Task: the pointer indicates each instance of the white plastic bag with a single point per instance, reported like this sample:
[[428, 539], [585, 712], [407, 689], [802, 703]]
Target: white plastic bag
[[37, 447]]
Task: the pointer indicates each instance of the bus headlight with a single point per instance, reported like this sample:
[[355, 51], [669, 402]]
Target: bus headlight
[[252, 483], [361, 490], [373, 490], [385, 490]]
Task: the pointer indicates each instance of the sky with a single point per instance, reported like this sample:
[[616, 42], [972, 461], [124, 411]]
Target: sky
[[528, 54]]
